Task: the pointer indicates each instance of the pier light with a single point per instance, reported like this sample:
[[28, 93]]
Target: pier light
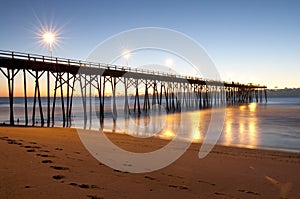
[[169, 63], [126, 54], [49, 38]]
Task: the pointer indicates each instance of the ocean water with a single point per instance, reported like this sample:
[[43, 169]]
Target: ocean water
[[274, 125]]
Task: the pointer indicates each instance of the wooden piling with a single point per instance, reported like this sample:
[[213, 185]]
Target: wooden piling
[[10, 79], [113, 85], [48, 98], [25, 97], [62, 100], [54, 98]]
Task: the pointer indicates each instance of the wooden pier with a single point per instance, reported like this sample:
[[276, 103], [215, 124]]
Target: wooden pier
[[176, 93]]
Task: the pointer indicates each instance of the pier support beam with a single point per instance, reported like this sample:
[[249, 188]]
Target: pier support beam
[[25, 97], [10, 75]]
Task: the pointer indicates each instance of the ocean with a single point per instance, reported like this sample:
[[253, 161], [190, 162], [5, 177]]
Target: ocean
[[272, 125]]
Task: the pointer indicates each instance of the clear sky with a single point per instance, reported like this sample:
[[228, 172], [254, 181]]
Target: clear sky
[[249, 41]]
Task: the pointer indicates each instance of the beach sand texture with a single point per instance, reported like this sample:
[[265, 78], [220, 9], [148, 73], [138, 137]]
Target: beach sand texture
[[53, 163]]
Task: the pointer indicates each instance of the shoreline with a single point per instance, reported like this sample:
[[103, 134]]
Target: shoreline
[[37, 161], [107, 131]]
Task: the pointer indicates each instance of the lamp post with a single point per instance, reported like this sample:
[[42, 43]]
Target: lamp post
[[126, 55], [169, 63], [49, 38]]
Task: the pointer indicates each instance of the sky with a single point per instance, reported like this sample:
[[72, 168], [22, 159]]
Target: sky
[[249, 41]]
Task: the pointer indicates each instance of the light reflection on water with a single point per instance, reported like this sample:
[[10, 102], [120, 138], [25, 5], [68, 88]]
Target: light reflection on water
[[251, 126], [241, 126], [272, 125]]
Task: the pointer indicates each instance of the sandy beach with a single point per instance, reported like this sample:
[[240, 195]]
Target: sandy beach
[[53, 163]]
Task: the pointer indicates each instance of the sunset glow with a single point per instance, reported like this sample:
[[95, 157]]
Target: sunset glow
[[150, 99]]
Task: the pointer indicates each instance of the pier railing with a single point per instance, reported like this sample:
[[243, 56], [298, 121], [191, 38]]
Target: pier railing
[[174, 92], [79, 63]]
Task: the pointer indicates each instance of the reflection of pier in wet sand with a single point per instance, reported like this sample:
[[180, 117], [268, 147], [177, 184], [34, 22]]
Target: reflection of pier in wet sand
[[148, 88]]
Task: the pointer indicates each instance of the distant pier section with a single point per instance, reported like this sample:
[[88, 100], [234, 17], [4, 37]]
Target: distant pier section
[[174, 92]]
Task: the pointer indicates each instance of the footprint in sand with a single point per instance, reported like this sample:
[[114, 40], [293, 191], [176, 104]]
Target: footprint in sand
[[47, 161], [149, 177], [248, 192], [183, 187], [73, 184], [83, 186], [115, 170], [9, 141], [212, 184], [170, 175], [32, 147], [58, 177], [95, 197], [59, 168], [46, 151], [179, 187], [45, 155], [224, 194], [32, 143]]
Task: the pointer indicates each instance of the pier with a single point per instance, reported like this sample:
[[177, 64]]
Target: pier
[[175, 92]]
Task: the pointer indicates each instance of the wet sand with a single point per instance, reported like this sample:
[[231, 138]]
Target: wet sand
[[53, 163]]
